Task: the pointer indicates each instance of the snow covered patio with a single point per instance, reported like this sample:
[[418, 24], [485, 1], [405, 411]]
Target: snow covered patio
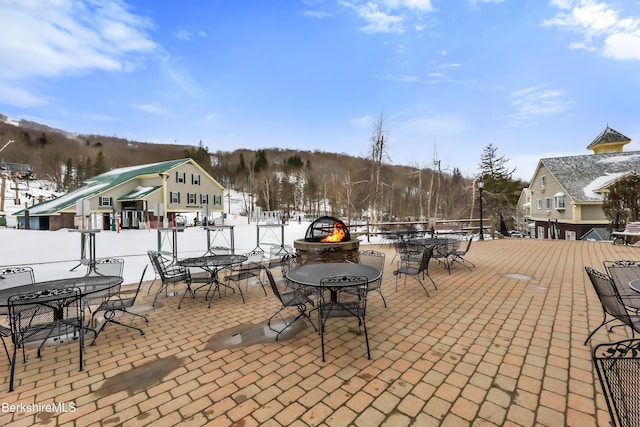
[[499, 345]]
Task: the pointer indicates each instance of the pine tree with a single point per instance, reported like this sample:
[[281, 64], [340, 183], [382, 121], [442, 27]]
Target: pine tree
[[501, 192]]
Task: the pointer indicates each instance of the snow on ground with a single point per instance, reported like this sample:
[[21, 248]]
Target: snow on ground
[[53, 254]]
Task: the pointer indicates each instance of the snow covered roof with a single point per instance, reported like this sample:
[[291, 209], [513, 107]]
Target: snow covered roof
[[138, 193], [100, 183], [582, 176]]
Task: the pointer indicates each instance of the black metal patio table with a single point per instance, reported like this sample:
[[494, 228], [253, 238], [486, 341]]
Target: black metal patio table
[[635, 285], [442, 248], [311, 275], [212, 264], [86, 284]]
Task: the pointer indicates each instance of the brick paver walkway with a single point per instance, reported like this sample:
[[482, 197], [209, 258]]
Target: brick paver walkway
[[501, 345]]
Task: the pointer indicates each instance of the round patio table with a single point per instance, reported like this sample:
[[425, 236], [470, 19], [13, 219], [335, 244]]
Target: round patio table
[[86, 284], [212, 264], [635, 285], [311, 275]]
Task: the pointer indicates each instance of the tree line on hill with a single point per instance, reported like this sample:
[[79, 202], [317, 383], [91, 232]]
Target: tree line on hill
[[314, 182]]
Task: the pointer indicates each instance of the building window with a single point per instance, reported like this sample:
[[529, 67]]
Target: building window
[[559, 201], [195, 179], [204, 199], [174, 197], [105, 201], [570, 235], [180, 177], [539, 204], [543, 181], [191, 198], [547, 203], [217, 200]]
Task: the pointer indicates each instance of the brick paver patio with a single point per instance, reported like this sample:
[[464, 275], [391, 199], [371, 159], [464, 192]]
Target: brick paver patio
[[501, 345]]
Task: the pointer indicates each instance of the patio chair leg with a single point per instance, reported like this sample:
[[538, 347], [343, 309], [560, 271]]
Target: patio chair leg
[[6, 350]]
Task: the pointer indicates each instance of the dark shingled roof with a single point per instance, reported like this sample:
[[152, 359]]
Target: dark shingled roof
[[608, 136], [580, 175]]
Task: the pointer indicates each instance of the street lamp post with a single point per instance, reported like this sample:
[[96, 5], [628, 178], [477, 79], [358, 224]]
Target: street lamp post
[[480, 188]]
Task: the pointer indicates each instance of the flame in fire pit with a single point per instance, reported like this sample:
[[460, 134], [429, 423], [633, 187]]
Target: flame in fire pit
[[337, 235]]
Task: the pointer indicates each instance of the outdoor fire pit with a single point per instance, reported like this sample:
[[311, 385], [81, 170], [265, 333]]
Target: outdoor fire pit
[[331, 238]]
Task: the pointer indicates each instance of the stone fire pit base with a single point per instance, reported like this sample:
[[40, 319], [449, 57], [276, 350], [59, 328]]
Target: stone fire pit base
[[332, 252]]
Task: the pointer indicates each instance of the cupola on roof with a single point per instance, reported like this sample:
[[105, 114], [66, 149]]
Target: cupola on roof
[[609, 141]]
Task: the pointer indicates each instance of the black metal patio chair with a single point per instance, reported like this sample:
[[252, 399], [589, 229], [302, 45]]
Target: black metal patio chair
[[120, 303], [38, 316], [410, 269], [335, 301], [250, 269], [104, 267], [10, 277], [376, 260], [289, 298], [612, 305], [458, 256], [618, 367], [169, 275]]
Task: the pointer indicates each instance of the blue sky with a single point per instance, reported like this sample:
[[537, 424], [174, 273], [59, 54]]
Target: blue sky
[[536, 78]]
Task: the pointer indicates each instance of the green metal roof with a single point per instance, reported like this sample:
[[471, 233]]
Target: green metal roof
[[138, 193], [99, 184]]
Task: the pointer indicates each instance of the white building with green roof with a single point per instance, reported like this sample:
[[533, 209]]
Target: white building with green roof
[[135, 196]]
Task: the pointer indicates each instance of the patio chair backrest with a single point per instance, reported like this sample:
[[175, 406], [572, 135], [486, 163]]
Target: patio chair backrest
[[108, 267], [219, 250], [15, 276], [373, 259], [609, 296], [357, 283], [426, 257], [466, 249], [256, 256], [272, 282], [289, 260], [618, 368]]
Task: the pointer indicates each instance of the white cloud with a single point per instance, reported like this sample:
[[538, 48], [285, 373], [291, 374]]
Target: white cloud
[[317, 14], [600, 26], [180, 75], [184, 34], [389, 16], [151, 108], [622, 46], [363, 122], [537, 101], [20, 97], [51, 39], [475, 2]]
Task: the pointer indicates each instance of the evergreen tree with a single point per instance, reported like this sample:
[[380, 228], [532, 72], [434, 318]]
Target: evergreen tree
[[42, 141], [501, 191], [100, 166], [623, 198], [67, 180], [88, 168]]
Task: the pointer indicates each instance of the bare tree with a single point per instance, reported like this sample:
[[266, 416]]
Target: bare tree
[[377, 154]]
